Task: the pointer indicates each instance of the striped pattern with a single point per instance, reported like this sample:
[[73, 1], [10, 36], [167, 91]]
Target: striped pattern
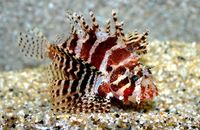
[[91, 67], [67, 92]]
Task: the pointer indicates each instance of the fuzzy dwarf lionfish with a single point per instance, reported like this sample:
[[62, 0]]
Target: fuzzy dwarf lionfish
[[93, 66]]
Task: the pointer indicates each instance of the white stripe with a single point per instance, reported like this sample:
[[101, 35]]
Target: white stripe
[[70, 67], [81, 80], [92, 50], [69, 89], [120, 92], [120, 78], [121, 97], [64, 63], [100, 38], [78, 48], [137, 92], [68, 44], [109, 95], [127, 60], [60, 72], [78, 69], [88, 85], [97, 82], [62, 86], [106, 58]]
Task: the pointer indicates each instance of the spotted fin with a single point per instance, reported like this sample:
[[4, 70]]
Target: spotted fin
[[60, 38], [95, 25], [107, 27], [33, 44], [118, 25]]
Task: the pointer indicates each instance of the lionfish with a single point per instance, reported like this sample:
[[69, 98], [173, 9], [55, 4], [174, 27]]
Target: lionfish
[[93, 66]]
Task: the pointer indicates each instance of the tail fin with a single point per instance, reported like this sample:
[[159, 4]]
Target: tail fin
[[33, 44]]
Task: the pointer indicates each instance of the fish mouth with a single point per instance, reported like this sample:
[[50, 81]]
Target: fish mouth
[[145, 90]]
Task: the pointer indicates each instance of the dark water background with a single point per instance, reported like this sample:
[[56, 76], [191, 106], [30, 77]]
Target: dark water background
[[167, 20]]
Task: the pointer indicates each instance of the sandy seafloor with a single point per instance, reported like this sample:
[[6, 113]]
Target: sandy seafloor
[[24, 101]]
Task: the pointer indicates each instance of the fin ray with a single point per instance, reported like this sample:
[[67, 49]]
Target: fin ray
[[92, 103], [137, 42], [77, 102]]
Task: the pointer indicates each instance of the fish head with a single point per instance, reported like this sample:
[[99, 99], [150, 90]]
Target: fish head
[[144, 87], [134, 87]]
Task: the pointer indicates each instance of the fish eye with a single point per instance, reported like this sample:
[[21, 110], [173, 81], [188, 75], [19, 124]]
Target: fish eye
[[134, 78]]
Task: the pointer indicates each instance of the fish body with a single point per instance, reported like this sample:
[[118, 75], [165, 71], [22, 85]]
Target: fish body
[[93, 66]]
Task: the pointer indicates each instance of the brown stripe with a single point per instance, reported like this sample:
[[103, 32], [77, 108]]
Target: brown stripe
[[78, 81], [64, 45], [120, 85], [132, 63], [73, 42], [83, 74], [101, 49], [65, 87], [118, 71], [118, 56], [128, 92], [74, 86], [85, 80], [67, 65], [76, 65], [87, 45]]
